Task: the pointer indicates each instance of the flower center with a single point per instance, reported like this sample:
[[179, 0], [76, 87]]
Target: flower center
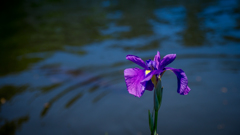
[[153, 79]]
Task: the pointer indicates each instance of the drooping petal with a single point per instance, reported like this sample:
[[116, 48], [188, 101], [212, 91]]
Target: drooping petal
[[137, 60], [186, 91], [167, 60], [183, 88], [149, 75], [149, 85], [133, 77], [157, 60]]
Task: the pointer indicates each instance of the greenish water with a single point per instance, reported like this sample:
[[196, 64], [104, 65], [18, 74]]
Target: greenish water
[[62, 66]]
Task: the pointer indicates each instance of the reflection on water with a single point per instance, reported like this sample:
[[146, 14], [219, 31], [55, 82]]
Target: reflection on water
[[193, 34], [62, 66]]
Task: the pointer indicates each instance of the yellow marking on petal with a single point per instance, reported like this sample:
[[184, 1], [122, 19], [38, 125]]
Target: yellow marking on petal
[[147, 71], [153, 79]]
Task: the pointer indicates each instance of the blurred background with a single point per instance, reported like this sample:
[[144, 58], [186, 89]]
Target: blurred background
[[62, 64]]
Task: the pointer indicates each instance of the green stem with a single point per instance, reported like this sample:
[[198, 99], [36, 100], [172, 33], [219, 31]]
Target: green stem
[[155, 122], [157, 99]]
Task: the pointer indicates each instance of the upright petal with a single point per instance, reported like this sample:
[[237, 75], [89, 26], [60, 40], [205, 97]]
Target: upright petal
[[137, 60], [183, 88], [167, 60], [133, 77], [151, 64], [157, 60]]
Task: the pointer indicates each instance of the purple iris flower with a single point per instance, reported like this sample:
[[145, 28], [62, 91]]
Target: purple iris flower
[[139, 80]]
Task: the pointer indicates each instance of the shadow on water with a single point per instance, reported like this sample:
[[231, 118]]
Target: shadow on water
[[100, 96], [69, 89], [10, 127], [50, 88], [93, 84], [74, 99], [7, 92]]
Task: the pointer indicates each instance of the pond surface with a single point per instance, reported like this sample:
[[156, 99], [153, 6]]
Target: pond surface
[[62, 66]]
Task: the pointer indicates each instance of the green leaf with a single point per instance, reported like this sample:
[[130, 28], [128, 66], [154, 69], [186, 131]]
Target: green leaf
[[156, 102], [159, 90], [150, 119]]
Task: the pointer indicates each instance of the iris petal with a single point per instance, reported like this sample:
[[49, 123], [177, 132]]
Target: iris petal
[[149, 85], [186, 91], [149, 75], [137, 60], [167, 60], [183, 88], [133, 78], [157, 59]]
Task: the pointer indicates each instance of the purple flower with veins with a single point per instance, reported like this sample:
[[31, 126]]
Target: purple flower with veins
[[139, 80]]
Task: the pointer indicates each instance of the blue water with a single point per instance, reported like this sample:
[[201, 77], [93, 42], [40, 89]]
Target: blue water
[[62, 66]]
